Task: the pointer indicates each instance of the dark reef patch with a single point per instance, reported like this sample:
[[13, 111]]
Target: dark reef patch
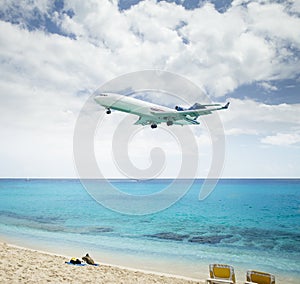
[[94, 230], [209, 239], [169, 236]]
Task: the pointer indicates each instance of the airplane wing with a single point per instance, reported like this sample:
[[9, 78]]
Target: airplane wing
[[186, 116], [186, 121], [148, 121], [144, 120]]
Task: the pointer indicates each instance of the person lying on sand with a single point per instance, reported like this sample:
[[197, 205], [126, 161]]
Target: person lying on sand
[[88, 259]]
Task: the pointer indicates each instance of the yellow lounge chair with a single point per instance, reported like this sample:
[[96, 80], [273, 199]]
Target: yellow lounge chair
[[220, 273], [259, 277]]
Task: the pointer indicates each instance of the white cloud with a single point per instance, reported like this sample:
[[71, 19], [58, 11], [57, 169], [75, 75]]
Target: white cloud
[[262, 21], [45, 78], [268, 87], [226, 50], [242, 45], [295, 6], [257, 135], [282, 139], [142, 141], [254, 115], [241, 131], [24, 10]]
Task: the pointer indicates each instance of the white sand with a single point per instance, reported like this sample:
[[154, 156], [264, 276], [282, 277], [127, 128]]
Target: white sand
[[20, 265]]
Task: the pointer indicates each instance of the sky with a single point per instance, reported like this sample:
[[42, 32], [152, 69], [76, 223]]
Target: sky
[[55, 54]]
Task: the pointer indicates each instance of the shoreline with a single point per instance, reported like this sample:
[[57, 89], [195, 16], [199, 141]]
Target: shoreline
[[31, 265], [36, 261], [67, 257], [28, 258], [162, 267]]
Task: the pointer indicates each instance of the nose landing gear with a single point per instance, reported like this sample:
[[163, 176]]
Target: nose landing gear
[[153, 125], [108, 111]]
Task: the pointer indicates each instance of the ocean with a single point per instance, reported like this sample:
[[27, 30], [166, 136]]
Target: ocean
[[249, 223]]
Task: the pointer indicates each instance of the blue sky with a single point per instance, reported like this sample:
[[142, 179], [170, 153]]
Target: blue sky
[[54, 54]]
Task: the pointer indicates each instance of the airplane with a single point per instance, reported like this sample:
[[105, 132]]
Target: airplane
[[153, 114]]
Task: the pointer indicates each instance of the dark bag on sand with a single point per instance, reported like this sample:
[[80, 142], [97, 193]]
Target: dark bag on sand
[[75, 261]]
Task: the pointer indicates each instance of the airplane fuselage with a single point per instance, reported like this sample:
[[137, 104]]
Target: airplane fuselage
[[129, 104], [153, 114]]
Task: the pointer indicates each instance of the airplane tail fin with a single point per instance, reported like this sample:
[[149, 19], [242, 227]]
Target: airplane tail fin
[[226, 106]]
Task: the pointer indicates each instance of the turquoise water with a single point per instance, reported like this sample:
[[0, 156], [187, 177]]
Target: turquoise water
[[252, 223]]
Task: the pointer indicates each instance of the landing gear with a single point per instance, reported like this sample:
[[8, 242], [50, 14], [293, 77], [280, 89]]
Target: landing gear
[[169, 122], [108, 111], [153, 125]]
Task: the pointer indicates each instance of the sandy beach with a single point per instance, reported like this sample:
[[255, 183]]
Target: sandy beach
[[20, 265], [23, 265]]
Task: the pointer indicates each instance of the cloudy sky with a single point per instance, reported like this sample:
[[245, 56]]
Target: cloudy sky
[[55, 54]]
